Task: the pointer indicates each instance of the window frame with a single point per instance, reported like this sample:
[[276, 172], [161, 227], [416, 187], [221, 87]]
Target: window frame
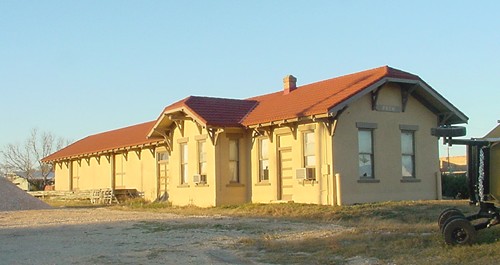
[[202, 160], [184, 163], [262, 172], [371, 154], [234, 176], [306, 155], [410, 155]]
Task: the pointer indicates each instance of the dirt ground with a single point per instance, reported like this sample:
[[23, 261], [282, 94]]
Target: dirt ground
[[106, 236]]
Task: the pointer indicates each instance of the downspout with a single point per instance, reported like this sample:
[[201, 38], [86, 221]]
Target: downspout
[[70, 175]]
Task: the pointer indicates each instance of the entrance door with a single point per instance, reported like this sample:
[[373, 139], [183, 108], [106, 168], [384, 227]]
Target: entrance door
[[162, 176], [285, 167]]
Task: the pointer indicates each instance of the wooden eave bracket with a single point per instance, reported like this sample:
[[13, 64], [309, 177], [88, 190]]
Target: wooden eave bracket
[[264, 131], [444, 117], [331, 121], [405, 95], [180, 124], [374, 95], [293, 128], [213, 133]]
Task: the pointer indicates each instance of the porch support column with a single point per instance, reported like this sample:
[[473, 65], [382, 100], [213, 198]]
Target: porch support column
[[70, 175], [112, 171]]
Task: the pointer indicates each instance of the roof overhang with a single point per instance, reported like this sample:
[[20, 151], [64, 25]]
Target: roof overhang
[[170, 117], [425, 94]]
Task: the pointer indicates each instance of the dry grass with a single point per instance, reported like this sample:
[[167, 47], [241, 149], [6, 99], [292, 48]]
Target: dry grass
[[391, 233]]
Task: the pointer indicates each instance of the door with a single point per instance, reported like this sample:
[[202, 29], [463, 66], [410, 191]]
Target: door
[[285, 177], [285, 167], [162, 176]]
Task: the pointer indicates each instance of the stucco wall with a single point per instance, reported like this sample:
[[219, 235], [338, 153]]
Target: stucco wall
[[387, 150], [190, 193], [319, 191]]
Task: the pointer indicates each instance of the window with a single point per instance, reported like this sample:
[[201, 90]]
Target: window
[[162, 157], [202, 161], [309, 151], [264, 159], [184, 163], [365, 147], [234, 164], [408, 153]]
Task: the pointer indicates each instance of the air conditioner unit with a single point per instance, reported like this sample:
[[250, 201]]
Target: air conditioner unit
[[305, 173], [196, 178], [199, 178]]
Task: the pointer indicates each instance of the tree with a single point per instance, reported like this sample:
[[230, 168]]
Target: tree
[[26, 158]]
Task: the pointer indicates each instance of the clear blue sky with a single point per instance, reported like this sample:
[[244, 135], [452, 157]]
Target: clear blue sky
[[77, 68]]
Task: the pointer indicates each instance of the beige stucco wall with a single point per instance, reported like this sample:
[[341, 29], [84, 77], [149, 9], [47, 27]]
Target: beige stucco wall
[[190, 193], [387, 150], [319, 191], [62, 176]]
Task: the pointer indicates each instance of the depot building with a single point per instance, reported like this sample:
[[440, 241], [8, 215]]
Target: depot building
[[361, 137]]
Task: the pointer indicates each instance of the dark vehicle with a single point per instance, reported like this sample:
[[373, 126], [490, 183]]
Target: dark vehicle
[[483, 186]]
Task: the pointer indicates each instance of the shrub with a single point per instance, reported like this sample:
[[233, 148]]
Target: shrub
[[454, 186]]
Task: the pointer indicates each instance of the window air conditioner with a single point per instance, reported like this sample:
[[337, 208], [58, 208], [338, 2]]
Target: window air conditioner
[[304, 173], [196, 178], [199, 178]]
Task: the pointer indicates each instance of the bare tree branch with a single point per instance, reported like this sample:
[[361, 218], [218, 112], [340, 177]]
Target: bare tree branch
[[26, 158]]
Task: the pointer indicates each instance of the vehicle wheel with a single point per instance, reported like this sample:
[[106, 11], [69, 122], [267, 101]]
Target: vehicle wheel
[[447, 214], [459, 231], [449, 131]]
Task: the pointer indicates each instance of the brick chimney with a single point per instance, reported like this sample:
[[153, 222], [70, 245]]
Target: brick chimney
[[289, 84]]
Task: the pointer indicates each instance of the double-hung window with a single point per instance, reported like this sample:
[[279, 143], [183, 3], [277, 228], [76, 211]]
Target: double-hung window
[[408, 153], [263, 159], [234, 164], [202, 161], [365, 147], [309, 146], [184, 162]]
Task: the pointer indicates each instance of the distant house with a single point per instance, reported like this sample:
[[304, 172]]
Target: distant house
[[362, 137], [20, 179]]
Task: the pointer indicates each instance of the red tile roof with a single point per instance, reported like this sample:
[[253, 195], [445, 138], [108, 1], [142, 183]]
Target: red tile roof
[[218, 112], [106, 141], [317, 98], [311, 99]]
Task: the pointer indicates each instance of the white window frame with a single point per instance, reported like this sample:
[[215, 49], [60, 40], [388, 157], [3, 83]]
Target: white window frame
[[202, 161], [234, 160], [307, 152], [184, 165], [408, 154], [263, 160], [370, 153]]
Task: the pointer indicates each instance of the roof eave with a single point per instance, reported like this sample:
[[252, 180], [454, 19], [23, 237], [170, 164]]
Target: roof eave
[[457, 116]]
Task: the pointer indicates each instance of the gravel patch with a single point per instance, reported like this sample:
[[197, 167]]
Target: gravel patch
[[13, 198]]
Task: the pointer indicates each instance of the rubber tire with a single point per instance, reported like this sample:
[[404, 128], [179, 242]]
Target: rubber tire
[[450, 131], [459, 231], [446, 215]]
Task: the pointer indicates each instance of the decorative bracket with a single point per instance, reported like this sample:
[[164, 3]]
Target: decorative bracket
[[213, 133], [264, 131], [405, 95], [375, 98], [180, 125], [331, 121], [444, 117], [138, 153], [293, 128]]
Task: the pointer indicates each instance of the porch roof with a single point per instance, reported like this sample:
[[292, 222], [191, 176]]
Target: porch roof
[[106, 142]]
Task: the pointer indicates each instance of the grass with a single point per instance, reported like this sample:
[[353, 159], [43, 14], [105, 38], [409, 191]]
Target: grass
[[390, 232]]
